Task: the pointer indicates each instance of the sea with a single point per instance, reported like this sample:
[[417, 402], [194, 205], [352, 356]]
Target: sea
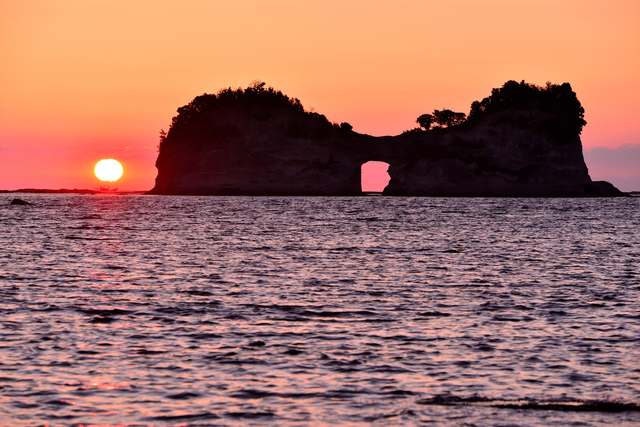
[[138, 310]]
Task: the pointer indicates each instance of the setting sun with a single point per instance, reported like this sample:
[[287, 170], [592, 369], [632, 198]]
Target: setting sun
[[108, 170]]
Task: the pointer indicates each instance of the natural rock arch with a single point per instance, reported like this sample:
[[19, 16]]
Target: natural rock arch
[[375, 176], [523, 140]]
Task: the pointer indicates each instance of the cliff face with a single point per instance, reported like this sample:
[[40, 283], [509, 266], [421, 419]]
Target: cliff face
[[260, 142], [497, 156], [286, 153]]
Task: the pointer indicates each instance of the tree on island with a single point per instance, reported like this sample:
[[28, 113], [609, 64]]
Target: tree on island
[[441, 118], [425, 121], [346, 127], [448, 118]]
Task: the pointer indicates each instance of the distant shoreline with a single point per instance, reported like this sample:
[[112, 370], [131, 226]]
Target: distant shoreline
[[87, 191], [69, 191]]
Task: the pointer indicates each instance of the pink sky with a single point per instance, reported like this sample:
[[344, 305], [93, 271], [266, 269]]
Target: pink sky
[[85, 80]]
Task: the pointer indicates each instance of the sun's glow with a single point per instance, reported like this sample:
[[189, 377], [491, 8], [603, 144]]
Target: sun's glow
[[108, 170]]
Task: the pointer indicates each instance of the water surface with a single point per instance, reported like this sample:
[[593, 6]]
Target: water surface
[[158, 310]]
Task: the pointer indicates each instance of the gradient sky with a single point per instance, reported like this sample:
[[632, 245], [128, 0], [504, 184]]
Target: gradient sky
[[82, 80]]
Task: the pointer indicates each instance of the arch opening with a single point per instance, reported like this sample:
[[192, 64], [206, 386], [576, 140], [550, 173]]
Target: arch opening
[[374, 177]]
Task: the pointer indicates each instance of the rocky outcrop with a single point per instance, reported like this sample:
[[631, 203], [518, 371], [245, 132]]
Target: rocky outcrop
[[239, 152], [523, 140], [20, 202]]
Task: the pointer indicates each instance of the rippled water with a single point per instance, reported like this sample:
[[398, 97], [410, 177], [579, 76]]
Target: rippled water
[[152, 310]]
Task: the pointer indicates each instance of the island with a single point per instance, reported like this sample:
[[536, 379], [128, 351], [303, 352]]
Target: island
[[521, 141]]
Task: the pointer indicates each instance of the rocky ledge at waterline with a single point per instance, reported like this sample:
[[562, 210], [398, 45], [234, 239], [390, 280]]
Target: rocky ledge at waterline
[[523, 140]]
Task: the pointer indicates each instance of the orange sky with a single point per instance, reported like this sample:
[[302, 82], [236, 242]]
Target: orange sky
[[84, 80]]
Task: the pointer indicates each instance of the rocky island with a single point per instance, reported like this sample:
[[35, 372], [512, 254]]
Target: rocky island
[[521, 141]]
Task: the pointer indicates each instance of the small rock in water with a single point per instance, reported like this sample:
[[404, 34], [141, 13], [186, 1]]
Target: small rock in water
[[20, 202]]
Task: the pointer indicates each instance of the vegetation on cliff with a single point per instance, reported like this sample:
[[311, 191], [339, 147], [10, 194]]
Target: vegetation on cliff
[[559, 102], [256, 102], [441, 119], [513, 102]]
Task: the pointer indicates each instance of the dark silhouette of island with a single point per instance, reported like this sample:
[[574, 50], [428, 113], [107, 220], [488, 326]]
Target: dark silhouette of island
[[522, 141]]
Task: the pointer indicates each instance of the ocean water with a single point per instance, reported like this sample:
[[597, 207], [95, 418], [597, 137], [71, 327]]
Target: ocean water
[[157, 310]]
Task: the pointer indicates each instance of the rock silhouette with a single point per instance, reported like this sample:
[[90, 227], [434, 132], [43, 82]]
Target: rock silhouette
[[20, 202], [523, 140]]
